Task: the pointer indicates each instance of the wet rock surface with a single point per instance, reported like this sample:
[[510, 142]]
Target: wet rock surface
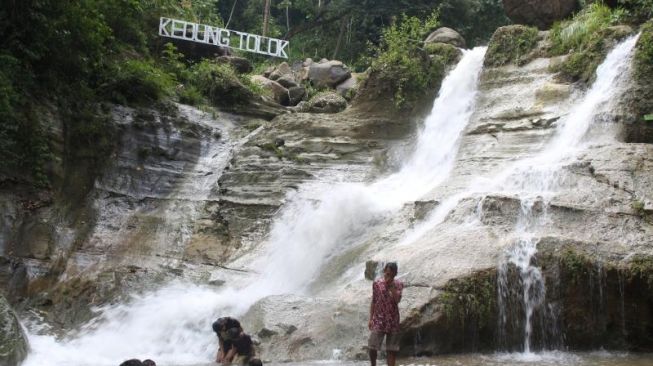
[[13, 343]]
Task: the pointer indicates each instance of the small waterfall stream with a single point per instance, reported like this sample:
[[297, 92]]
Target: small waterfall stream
[[536, 181]]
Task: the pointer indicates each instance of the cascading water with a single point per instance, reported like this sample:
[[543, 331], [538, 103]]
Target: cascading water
[[171, 325], [534, 181], [538, 179]]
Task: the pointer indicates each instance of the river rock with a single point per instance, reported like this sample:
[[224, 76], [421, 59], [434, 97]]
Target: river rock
[[327, 73], [13, 342], [327, 102], [283, 69], [347, 88], [296, 94], [287, 81], [279, 93], [539, 13], [446, 35]]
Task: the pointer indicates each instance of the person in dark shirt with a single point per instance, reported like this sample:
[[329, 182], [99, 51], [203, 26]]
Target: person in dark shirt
[[242, 349], [132, 362], [221, 327]]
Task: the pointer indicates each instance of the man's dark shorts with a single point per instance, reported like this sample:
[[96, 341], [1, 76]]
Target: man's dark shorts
[[376, 341]]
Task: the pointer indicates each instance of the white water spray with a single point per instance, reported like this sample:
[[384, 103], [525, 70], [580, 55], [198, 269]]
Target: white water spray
[[172, 325]]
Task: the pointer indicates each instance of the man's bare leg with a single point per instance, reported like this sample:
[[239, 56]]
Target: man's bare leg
[[392, 358], [373, 357]]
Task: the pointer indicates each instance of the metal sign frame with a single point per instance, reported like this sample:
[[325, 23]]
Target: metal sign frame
[[202, 33]]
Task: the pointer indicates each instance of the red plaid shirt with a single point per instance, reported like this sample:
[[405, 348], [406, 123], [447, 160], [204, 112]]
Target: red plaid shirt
[[385, 310]]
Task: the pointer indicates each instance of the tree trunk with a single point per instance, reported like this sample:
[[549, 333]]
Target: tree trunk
[[231, 13], [266, 17], [343, 26]]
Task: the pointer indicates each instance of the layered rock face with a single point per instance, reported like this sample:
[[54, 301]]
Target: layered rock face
[[13, 344], [540, 13]]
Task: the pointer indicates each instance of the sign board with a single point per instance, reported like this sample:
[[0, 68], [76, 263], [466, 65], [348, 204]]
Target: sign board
[[221, 37], [648, 117]]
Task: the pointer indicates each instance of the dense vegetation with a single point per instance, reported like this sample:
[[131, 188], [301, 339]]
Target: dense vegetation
[[63, 59], [70, 56], [586, 38]]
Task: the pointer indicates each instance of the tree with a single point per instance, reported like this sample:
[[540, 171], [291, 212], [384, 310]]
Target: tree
[[266, 17]]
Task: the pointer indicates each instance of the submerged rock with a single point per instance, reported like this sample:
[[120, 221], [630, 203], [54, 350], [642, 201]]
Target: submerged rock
[[13, 342]]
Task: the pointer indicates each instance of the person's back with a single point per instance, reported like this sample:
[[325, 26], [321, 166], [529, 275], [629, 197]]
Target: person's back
[[242, 347]]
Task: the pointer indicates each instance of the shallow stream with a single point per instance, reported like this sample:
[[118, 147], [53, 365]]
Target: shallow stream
[[598, 358]]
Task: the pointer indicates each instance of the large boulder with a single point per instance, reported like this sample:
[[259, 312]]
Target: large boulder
[[348, 87], [327, 102], [280, 71], [296, 94], [328, 73], [13, 343], [279, 93], [539, 13], [446, 35]]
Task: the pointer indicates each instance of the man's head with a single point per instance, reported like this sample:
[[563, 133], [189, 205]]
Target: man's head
[[132, 362], [390, 271], [218, 325], [149, 362]]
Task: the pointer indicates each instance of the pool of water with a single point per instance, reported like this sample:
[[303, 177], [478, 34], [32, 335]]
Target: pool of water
[[598, 358]]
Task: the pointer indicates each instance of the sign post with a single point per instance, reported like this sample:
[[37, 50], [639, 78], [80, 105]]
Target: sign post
[[221, 37]]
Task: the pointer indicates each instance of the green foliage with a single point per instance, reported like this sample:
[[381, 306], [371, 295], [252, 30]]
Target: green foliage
[[471, 299], [638, 11], [220, 83], [642, 266], [576, 34], [475, 20], [189, 94], [136, 81], [511, 44], [644, 51], [586, 38], [402, 62]]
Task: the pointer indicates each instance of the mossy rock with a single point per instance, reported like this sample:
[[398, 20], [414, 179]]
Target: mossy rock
[[581, 65], [13, 343], [326, 102], [641, 97], [511, 44], [398, 81]]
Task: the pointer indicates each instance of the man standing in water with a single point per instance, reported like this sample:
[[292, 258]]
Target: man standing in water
[[384, 314]]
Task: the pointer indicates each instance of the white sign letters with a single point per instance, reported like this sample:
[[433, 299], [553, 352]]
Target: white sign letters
[[201, 33]]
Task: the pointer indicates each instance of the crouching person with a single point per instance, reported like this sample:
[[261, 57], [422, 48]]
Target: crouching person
[[242, 349]]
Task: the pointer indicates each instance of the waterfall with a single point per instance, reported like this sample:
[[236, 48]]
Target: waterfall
[[538, 179], [172, 325]]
